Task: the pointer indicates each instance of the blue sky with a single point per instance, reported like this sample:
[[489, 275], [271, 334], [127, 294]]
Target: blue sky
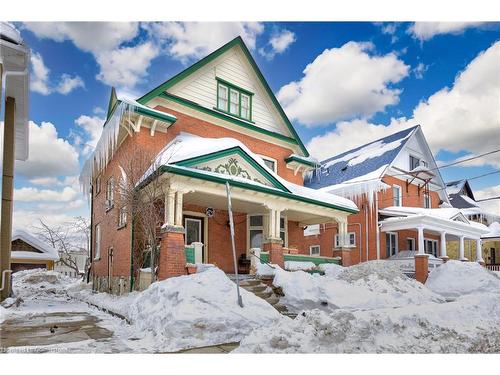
[[444, 76]]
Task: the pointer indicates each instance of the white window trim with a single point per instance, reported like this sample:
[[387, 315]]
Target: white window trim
[[110, 185], [97, 185], [122, 220], [413, 242], [98, 237], [285, 229], [434, 241], [275, 170], [255, 227], [315, 233], [319, 250], [336, 240], [427, 195], [413, 156], [397, 242], [400, 195]]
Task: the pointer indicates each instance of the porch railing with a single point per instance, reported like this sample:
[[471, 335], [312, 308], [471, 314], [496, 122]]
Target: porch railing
[[407, 264], [493, 267]]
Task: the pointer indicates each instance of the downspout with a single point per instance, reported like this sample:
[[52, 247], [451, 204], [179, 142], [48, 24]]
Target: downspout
[[366, 230], [377, 226], [91, 232], [132, 257]]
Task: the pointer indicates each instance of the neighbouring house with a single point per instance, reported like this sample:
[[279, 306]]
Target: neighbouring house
[[215, 123], [77, 257], [462, 197], [402, 199], [28, 252]]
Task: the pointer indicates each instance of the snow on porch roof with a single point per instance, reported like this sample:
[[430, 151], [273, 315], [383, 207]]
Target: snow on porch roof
[[359, 162], [188, 146], [49, 252]]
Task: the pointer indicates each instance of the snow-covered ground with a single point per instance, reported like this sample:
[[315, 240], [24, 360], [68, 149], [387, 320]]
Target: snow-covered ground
[[372, 307]]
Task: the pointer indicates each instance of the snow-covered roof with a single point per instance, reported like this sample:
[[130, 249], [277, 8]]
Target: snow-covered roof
[[494, 231], [454, 187], [443, 213], [188, 146], [358, 163], [47, 251]]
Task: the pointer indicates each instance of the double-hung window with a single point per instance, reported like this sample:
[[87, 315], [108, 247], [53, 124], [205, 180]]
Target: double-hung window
[[396, 195], [234, 100], [427, 200], [122, 217], [97, 242], [351, 240], [314, 250], [414, 162], [110, 193]]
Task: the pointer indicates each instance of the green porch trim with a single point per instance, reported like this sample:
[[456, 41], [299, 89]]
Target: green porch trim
[[244, 185], [296, 159], [233, 151], [227, 117], [189, 251], [207, 59], [264, 257]]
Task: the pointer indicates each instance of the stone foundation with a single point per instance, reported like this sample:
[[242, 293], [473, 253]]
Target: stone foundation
[[119, 284]]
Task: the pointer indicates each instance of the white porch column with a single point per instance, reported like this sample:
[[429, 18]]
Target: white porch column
[[461, 249], [421, 248], [178, 208], [273, 227], [443, 245], [169, 207], [342, 233], [479, 252]]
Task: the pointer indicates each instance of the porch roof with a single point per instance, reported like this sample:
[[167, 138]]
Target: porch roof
[[434, 220], [187, 147]]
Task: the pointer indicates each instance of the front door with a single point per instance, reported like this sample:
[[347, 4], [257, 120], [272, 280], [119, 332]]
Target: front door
[[194, 231]]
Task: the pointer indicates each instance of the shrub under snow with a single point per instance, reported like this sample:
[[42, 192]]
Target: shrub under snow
[[40, 281], [370, 285], [199, 310], [455, 278]]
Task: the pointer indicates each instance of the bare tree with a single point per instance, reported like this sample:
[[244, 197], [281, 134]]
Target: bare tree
[[142, 202], [67, 239]]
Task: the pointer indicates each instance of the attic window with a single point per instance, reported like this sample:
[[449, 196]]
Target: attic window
[[234, 100], [344, 168]]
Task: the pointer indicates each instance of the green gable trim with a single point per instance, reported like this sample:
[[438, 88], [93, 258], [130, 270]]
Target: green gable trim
[[244, 185], [232, 85], [301, 161], [230, 118], [232, 151], [237, 41]]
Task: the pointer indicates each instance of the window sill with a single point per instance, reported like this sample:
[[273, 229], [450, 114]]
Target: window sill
[[233, 115], [97, 259], [121, 226], [109, 208]]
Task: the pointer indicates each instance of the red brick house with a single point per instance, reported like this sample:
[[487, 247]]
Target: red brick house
[[404, 207], [214, 123]]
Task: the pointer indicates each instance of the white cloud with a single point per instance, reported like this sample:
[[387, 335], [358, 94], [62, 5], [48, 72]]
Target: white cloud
[[126, 66], [427, 30], [343, 83], [419, 70], [191, 40], [120, 65], [92, 126], [50, 155], [41, 82], [278, 43], [31, 194], [492, 205], [27, 218], [463, 118], [390, 29]]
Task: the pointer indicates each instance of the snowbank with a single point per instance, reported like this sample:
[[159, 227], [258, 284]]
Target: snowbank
[[198, 310], [470, 324], [455, 278], [370, 285], [291, 265], [331, 269], [39, 282]]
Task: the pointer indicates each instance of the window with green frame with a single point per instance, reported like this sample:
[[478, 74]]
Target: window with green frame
[[234, 100]]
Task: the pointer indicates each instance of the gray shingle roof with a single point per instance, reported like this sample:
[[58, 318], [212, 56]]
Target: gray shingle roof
[[338, 169]]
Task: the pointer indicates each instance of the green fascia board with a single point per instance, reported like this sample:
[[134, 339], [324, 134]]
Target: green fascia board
[[301, 161], [233, 151], [244, 185], [143, 111], [223, 116], [236, 41]]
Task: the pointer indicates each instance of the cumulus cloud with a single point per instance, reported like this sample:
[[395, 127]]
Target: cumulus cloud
[[490, 205], [186, 41], [419, 70], [41, 82], [427, 30], [50, 155], [343, 83], [278, 43], [465, 117], [92, 127], [120, 65], [31, 194]]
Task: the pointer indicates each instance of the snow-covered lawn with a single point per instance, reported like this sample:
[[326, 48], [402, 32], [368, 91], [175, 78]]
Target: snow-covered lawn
[[373, 307]]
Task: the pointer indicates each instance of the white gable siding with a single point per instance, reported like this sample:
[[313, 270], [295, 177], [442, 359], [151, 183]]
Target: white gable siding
[[232, 66]]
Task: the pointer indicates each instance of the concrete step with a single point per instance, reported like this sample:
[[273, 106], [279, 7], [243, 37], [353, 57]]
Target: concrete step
[[250, 282], [265, 294], [255, 288], [273, 300]]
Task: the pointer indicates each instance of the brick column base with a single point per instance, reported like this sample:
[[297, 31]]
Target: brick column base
[[421, 268], [172, 260], [345, 254], [275, 248]]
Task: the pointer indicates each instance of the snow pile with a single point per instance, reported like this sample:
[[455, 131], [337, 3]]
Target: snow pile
[[198, 310], [455, 278], [40, 281], [470, 324], [291, 265], [331, 269], [266, 270], [370, 285]]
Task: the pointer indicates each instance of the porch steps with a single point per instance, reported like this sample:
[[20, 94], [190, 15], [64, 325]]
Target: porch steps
[[264, 291]]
